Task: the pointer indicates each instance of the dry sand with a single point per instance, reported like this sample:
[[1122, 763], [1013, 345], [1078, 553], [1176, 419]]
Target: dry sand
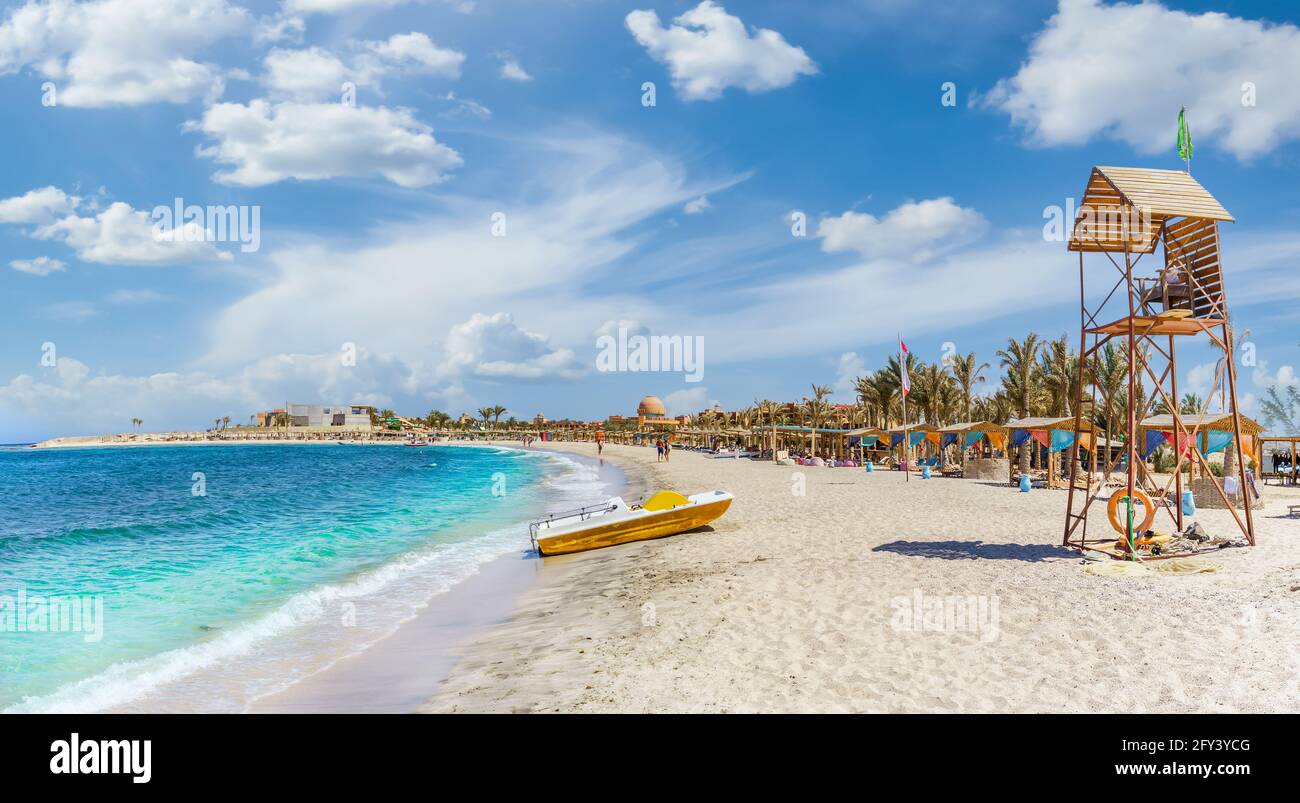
[[796, 603]]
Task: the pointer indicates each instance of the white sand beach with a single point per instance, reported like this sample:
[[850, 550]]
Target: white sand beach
[[803, 602]]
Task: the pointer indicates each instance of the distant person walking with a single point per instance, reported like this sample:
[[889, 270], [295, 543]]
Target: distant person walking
[[659, 447], [668, 449]]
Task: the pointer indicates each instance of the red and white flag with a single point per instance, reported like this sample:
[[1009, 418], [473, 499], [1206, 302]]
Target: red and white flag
[[902, 366]]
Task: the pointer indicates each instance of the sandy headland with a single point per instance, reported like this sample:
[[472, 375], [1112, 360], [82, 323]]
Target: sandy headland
[[834, 589]]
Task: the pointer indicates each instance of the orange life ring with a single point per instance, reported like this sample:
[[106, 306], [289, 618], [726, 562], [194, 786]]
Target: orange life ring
[[1112, 511]]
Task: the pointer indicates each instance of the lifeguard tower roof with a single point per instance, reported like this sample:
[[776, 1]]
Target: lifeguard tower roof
[[1148, 198]]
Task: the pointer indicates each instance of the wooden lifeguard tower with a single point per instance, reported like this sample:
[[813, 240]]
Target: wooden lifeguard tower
[[1128, 214]]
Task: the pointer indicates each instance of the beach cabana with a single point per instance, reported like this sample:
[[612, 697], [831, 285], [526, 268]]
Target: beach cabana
[[968, 434], [783, 431], [1054, 434], [1211, 432], [916, 434], [866, 439]]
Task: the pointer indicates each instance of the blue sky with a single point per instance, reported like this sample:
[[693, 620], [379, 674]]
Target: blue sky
[[376, 218]]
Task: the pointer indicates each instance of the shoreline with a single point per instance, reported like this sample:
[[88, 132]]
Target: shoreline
[[397, 673], [376, 675]]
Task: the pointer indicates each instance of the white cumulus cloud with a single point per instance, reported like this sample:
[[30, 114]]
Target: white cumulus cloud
[[267, 142], [44, 205], [121, 52], [1122, 71], [494, 347], [708, 50], [915, 230], [116, 235], [686, 402], [314, 73]]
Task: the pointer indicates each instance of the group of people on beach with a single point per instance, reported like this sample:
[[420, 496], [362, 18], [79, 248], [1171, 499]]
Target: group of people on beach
[[664, 448]]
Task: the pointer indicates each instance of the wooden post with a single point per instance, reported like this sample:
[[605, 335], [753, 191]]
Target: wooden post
[[1178, 456], [1236, 423], [1132, 379]]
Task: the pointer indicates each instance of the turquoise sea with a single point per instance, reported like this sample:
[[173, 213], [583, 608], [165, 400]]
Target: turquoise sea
[[205, 576]]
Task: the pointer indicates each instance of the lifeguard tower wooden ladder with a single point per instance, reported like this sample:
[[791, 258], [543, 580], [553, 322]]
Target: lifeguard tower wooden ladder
[[1127, 214]]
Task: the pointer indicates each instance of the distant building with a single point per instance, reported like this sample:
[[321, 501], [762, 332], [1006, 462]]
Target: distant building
[[270, 418], [540, 420], [652, 416], [319, 415]]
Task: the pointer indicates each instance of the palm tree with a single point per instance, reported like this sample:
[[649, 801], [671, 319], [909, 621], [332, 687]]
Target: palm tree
[[894, 377], [768, 407], [1021, 380], [937, 395], [887, 392], [1109, 374], [968, 375], [997, 408], [497, 412], [485, 413], [1060, 377], [815, 409], [225, 421]]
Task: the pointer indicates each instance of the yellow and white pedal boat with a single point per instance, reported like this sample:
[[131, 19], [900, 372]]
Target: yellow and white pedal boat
[[616, 522]]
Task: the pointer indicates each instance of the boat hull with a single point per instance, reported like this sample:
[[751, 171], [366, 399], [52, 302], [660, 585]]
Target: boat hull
[[672, 522]]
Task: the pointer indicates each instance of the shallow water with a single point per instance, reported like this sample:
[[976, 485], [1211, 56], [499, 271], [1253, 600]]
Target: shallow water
[[206, 576]]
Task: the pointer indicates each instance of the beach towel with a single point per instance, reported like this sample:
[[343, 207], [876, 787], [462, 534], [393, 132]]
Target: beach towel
[[998, 439], [948, 437], [1061, 439], [1154, 441], [1019, 436], [895, 439], [1129, 568], [913, 438], [1041, 436], [971, 439]]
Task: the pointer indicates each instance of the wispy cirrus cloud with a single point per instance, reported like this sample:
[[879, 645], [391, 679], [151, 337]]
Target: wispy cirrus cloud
[[37, 266]]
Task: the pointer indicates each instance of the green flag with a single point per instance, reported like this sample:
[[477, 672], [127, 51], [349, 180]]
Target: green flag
[[1184, 137]]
